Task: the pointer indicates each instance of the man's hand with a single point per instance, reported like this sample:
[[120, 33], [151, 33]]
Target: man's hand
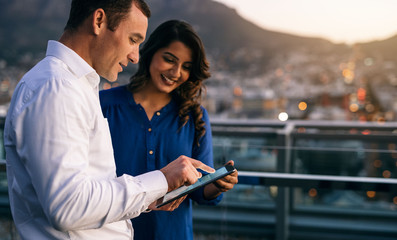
[[168, 207], [183, 171]]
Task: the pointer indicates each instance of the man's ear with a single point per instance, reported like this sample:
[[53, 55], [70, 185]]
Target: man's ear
[[99, 21]]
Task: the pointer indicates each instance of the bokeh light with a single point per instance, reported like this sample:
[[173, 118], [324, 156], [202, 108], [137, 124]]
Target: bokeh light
[[283, 116]]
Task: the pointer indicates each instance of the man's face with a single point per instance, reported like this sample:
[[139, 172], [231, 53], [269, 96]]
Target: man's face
[[119, 47]]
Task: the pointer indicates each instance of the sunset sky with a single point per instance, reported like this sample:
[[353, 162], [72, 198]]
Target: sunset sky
[[346, 21]]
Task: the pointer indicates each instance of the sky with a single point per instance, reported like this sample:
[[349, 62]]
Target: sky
[[340, 21]]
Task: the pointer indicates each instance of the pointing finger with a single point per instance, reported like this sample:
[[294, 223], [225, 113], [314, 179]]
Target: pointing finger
[[202, 166]]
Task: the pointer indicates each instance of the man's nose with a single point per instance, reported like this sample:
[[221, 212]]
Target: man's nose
[[133, 56]]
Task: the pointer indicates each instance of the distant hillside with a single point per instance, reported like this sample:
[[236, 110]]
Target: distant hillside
[[229, 38], [232, 42], [26, 25], [387, 49]]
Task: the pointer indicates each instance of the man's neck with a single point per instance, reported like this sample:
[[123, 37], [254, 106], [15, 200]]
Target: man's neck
[[78, 42]]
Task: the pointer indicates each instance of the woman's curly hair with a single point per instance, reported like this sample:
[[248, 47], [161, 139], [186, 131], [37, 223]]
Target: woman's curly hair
[[188, 95]]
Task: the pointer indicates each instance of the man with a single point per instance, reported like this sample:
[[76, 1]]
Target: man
[[60, 165]]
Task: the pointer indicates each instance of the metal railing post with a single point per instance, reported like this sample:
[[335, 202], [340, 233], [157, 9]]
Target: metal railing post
[[283, 193]]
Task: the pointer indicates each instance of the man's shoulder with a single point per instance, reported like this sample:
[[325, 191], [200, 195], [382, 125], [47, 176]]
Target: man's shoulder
[[45, 87], [45, 71], [51, 80]]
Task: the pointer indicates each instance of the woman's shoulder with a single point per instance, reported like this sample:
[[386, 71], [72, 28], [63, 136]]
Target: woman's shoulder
[[203, 108], [205, 113], [115, 95]]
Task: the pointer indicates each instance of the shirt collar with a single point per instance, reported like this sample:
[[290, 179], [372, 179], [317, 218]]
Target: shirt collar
[[75, 63], [130, 96]]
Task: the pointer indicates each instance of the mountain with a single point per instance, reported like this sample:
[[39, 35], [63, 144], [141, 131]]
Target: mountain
[[229, 38], [232, 43], [386, 49], [26, 25]]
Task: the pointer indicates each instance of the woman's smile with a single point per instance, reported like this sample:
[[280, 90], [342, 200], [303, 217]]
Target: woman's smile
[[168, 81]]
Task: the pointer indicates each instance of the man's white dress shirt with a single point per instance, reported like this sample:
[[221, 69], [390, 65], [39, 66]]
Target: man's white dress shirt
[[60, 165]]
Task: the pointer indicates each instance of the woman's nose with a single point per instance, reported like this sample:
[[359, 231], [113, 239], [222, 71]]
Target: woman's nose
[[176, 71]]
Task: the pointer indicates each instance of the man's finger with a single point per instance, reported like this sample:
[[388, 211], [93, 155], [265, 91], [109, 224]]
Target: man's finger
[[206, 168], [202, 166]]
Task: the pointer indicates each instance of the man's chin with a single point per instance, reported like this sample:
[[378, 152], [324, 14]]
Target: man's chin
[[110, 78]]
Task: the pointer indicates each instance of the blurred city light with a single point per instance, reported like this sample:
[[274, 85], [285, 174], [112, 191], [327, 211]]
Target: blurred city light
[[302, 106], [283, 116]]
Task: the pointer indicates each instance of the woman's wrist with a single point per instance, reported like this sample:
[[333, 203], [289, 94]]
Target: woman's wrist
[[211, 191]]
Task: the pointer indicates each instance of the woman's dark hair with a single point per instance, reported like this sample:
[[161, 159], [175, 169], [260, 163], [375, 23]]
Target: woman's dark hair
[[187, 95], [116, 10]]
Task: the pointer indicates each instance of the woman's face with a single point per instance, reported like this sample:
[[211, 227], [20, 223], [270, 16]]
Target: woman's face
[[170, 67]]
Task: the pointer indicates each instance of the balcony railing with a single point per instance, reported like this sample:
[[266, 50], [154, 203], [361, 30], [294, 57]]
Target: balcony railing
[[299, 180], [306, 180]]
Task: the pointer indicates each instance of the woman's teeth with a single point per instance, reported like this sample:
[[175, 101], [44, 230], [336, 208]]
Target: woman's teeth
[[168, 80]]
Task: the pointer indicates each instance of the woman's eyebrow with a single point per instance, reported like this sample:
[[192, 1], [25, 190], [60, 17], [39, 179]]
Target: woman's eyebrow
[[168, 53]]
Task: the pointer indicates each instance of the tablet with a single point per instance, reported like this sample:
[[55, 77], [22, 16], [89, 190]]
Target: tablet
[[201, 182]]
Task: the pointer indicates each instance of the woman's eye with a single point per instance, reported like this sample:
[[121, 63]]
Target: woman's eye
[[187, 67], [168, 60]]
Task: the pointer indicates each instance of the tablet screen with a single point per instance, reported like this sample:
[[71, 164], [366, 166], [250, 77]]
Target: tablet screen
[[207, 179]]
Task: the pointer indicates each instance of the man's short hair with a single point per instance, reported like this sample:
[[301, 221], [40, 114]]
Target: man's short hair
[[116, 10]]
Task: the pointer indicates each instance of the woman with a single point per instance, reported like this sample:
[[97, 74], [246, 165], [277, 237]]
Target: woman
[[158, 117]]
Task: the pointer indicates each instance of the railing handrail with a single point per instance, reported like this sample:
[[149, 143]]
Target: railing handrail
[[392, 126], [318, 181]]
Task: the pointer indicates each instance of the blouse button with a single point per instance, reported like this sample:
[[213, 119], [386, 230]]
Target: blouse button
[[150, 152], [158, 113], [149, 129]]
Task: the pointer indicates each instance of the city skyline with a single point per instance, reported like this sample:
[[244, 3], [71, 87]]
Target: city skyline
[[336, 20]]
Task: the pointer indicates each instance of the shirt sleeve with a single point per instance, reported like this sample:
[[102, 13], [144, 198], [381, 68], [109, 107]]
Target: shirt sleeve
[[53, 133], [204, 153]]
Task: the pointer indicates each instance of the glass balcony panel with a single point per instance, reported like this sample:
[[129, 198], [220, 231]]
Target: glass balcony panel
[[345, 158], [248, 153]]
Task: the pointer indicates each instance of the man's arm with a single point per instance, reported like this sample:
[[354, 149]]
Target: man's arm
[[75, 192]]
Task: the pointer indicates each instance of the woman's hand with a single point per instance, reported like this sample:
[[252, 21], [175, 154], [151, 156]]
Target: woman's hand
[[224, 184]]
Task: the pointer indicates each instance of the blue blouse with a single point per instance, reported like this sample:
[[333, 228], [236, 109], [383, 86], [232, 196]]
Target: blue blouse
[[141, 145]]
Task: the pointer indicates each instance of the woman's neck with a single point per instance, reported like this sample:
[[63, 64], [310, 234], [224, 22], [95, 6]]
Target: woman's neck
[[151, 101]]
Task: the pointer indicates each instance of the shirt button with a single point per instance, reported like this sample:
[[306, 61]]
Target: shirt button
[[150, 152], [158, 113], [149, 129]]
